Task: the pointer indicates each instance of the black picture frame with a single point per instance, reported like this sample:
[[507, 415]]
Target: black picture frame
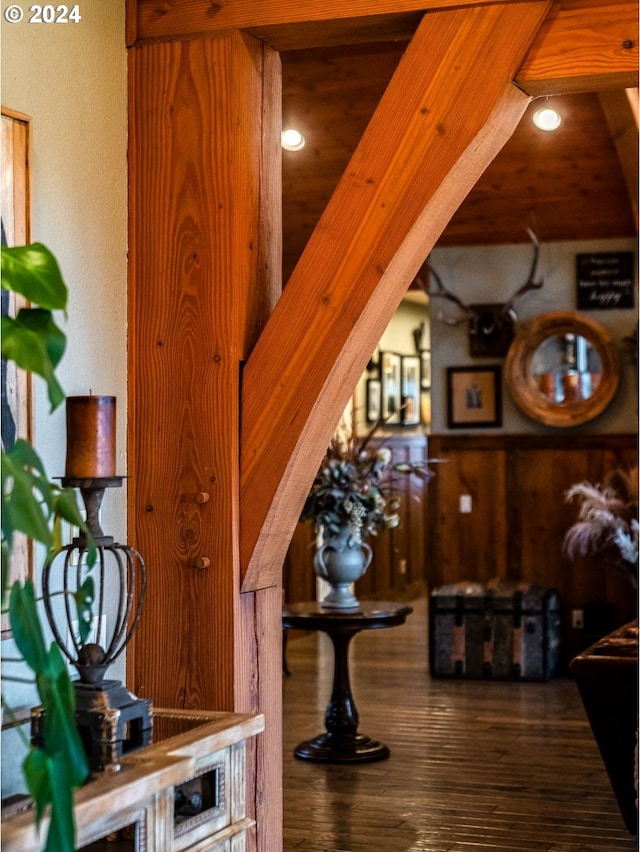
[[374, 400], [391, 377], [410, 389], [425, 369], [474, 397]]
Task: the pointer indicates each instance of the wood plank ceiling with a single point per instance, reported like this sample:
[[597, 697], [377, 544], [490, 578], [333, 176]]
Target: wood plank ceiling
[[568, 185]]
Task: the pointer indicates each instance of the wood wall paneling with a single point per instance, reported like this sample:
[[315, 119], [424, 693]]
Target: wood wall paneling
[[519, 517], [472, 544]]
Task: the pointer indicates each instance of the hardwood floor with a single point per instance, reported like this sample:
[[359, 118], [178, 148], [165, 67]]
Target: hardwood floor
[[474, 765]]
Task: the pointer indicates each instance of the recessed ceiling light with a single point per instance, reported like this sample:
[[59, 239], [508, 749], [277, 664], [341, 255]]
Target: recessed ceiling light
[[292, 140], [547, 119]]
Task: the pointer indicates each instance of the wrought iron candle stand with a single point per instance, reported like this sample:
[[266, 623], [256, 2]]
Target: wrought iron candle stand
[[111, 720]]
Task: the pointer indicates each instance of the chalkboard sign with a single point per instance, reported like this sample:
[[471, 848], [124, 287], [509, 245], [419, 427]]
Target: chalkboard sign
[[605, 280]]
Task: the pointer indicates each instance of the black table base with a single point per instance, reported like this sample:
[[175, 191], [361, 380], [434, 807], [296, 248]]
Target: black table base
[[327, 748], [342, 743]]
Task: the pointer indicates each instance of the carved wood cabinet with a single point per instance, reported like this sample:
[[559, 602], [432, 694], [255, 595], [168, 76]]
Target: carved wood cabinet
[[183, 793]]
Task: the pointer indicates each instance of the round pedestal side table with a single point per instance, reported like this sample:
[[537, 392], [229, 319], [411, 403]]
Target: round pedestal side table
[[342, 743]]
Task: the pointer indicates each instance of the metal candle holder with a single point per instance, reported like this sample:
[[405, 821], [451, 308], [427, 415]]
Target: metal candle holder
[[111, 720], [91, 660]]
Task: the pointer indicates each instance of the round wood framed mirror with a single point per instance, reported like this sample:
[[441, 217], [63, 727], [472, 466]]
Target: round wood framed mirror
[[562, 368]]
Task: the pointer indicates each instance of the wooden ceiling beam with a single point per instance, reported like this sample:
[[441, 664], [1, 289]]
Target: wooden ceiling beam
[[583, 46], [181, 18], [449, 108]]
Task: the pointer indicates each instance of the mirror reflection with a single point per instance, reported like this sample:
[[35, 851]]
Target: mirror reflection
[[562, 368], [567, 368]]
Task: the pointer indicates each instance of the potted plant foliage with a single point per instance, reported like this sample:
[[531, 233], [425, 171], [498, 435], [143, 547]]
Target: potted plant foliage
[[607, 524], [352, 497], [35, 506]]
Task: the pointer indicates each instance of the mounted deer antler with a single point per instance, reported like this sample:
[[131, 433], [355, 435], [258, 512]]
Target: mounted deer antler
[[490, 325], [529, 284]]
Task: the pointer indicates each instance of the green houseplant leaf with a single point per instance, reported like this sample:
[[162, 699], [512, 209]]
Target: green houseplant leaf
[[27, 630], [36, 344], [33, 272], [22, 509], [51, 772], [46, 785], [37, 772], [61, 737], [60, 731]]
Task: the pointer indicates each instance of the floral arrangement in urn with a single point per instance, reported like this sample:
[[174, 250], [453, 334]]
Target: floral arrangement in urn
[[354, 486], [607, 524]]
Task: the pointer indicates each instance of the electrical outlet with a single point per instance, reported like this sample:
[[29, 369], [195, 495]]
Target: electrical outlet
[[577, 619], [465, 504], [402, 566]]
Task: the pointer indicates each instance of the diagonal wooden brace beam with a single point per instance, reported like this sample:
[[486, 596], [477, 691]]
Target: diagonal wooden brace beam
[[448, 110]]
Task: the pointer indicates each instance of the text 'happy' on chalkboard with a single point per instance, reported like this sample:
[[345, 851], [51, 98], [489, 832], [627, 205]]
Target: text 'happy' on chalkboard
[[605, 280]]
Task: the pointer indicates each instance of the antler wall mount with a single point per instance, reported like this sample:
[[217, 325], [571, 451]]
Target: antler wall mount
[[491, 325]]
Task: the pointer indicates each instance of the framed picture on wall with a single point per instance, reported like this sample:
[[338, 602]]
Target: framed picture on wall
[[410, 383], [374, 400], [16, 384], [425, 369], [391, 372], [474, 397]]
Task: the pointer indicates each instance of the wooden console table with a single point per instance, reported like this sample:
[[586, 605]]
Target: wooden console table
[[185, 792], [342, 743]]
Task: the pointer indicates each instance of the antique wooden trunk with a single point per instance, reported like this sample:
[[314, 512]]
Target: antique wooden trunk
[[502, 630]]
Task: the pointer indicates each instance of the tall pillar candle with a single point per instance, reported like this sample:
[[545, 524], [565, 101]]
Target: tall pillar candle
[[91, 437]]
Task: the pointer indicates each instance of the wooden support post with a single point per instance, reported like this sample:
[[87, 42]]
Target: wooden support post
[[204, 261]]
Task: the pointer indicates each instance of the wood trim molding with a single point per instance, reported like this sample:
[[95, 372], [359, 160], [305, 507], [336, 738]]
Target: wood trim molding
[[445, 442]]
